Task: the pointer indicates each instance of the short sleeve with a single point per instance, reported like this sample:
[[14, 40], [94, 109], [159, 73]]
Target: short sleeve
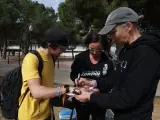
[[30, 67]]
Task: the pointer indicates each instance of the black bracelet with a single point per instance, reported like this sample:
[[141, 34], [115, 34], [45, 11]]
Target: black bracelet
[[67, 88]]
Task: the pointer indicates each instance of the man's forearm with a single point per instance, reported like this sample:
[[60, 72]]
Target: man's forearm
[[43, 92]]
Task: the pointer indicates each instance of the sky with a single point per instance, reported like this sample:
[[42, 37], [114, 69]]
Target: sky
[[50, 3]]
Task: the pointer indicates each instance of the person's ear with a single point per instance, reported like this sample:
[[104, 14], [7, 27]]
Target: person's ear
[[129, 26]]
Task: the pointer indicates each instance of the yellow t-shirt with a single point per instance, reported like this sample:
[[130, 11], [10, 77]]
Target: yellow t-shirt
[[34, 109]]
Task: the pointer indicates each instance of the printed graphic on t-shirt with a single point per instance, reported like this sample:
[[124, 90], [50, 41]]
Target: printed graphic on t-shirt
[[105, 69], [123, 65], [102, 70], [91, 73]]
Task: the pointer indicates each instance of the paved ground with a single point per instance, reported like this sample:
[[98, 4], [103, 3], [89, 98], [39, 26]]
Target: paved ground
[[61, 74], [62, 77], [156, 113]]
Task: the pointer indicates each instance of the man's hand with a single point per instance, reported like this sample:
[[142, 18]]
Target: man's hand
[[83, 82], [84, 97], [67, 89], [94, 90], [71, 89]]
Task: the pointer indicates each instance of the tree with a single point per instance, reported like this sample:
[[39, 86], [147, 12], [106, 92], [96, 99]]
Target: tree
[[8, 19], [79, 16], [115, 4], [149, 10], [68, 21], [151, 13], [37, 15], [17, 15], [66, 15], [90, 12], [43, 18]]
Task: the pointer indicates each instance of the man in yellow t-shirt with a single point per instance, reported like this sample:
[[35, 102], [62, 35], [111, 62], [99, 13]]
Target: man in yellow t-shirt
[[35, 105]]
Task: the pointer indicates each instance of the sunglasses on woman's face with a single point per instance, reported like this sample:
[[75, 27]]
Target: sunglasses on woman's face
[[94, 50]]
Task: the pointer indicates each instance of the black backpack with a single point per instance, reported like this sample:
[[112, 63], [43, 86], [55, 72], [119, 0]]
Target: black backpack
[[11, 90]]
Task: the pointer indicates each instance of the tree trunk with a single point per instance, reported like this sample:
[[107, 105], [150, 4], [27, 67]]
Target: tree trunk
[[4, 46], [72, 54], [25, 45]]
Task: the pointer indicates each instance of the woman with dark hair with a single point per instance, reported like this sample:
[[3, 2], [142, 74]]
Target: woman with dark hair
[[92, 64]]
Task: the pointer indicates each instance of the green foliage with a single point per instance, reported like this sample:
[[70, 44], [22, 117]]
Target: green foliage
[[77, 17], [89, 11], [17, 15], [66, 14], [115, 4]]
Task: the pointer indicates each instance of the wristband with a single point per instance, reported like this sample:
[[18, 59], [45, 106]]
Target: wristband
[[58, 91]]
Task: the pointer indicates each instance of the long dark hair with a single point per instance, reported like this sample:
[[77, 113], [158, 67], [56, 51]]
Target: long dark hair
[[94, 37]]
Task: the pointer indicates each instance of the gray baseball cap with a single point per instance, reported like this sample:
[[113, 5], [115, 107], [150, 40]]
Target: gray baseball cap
[[119, 15]]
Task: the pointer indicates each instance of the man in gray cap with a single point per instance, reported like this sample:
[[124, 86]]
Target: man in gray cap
[[119, 16], [137, 71]]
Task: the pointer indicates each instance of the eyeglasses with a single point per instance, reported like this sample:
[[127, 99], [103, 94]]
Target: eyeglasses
[[95, 50], [114, 30]]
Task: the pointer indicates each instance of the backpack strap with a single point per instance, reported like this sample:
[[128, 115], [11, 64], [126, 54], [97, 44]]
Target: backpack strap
[[54, 61], [40, 68]]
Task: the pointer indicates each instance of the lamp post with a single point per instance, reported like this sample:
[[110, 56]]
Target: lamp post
[[30, 30]]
